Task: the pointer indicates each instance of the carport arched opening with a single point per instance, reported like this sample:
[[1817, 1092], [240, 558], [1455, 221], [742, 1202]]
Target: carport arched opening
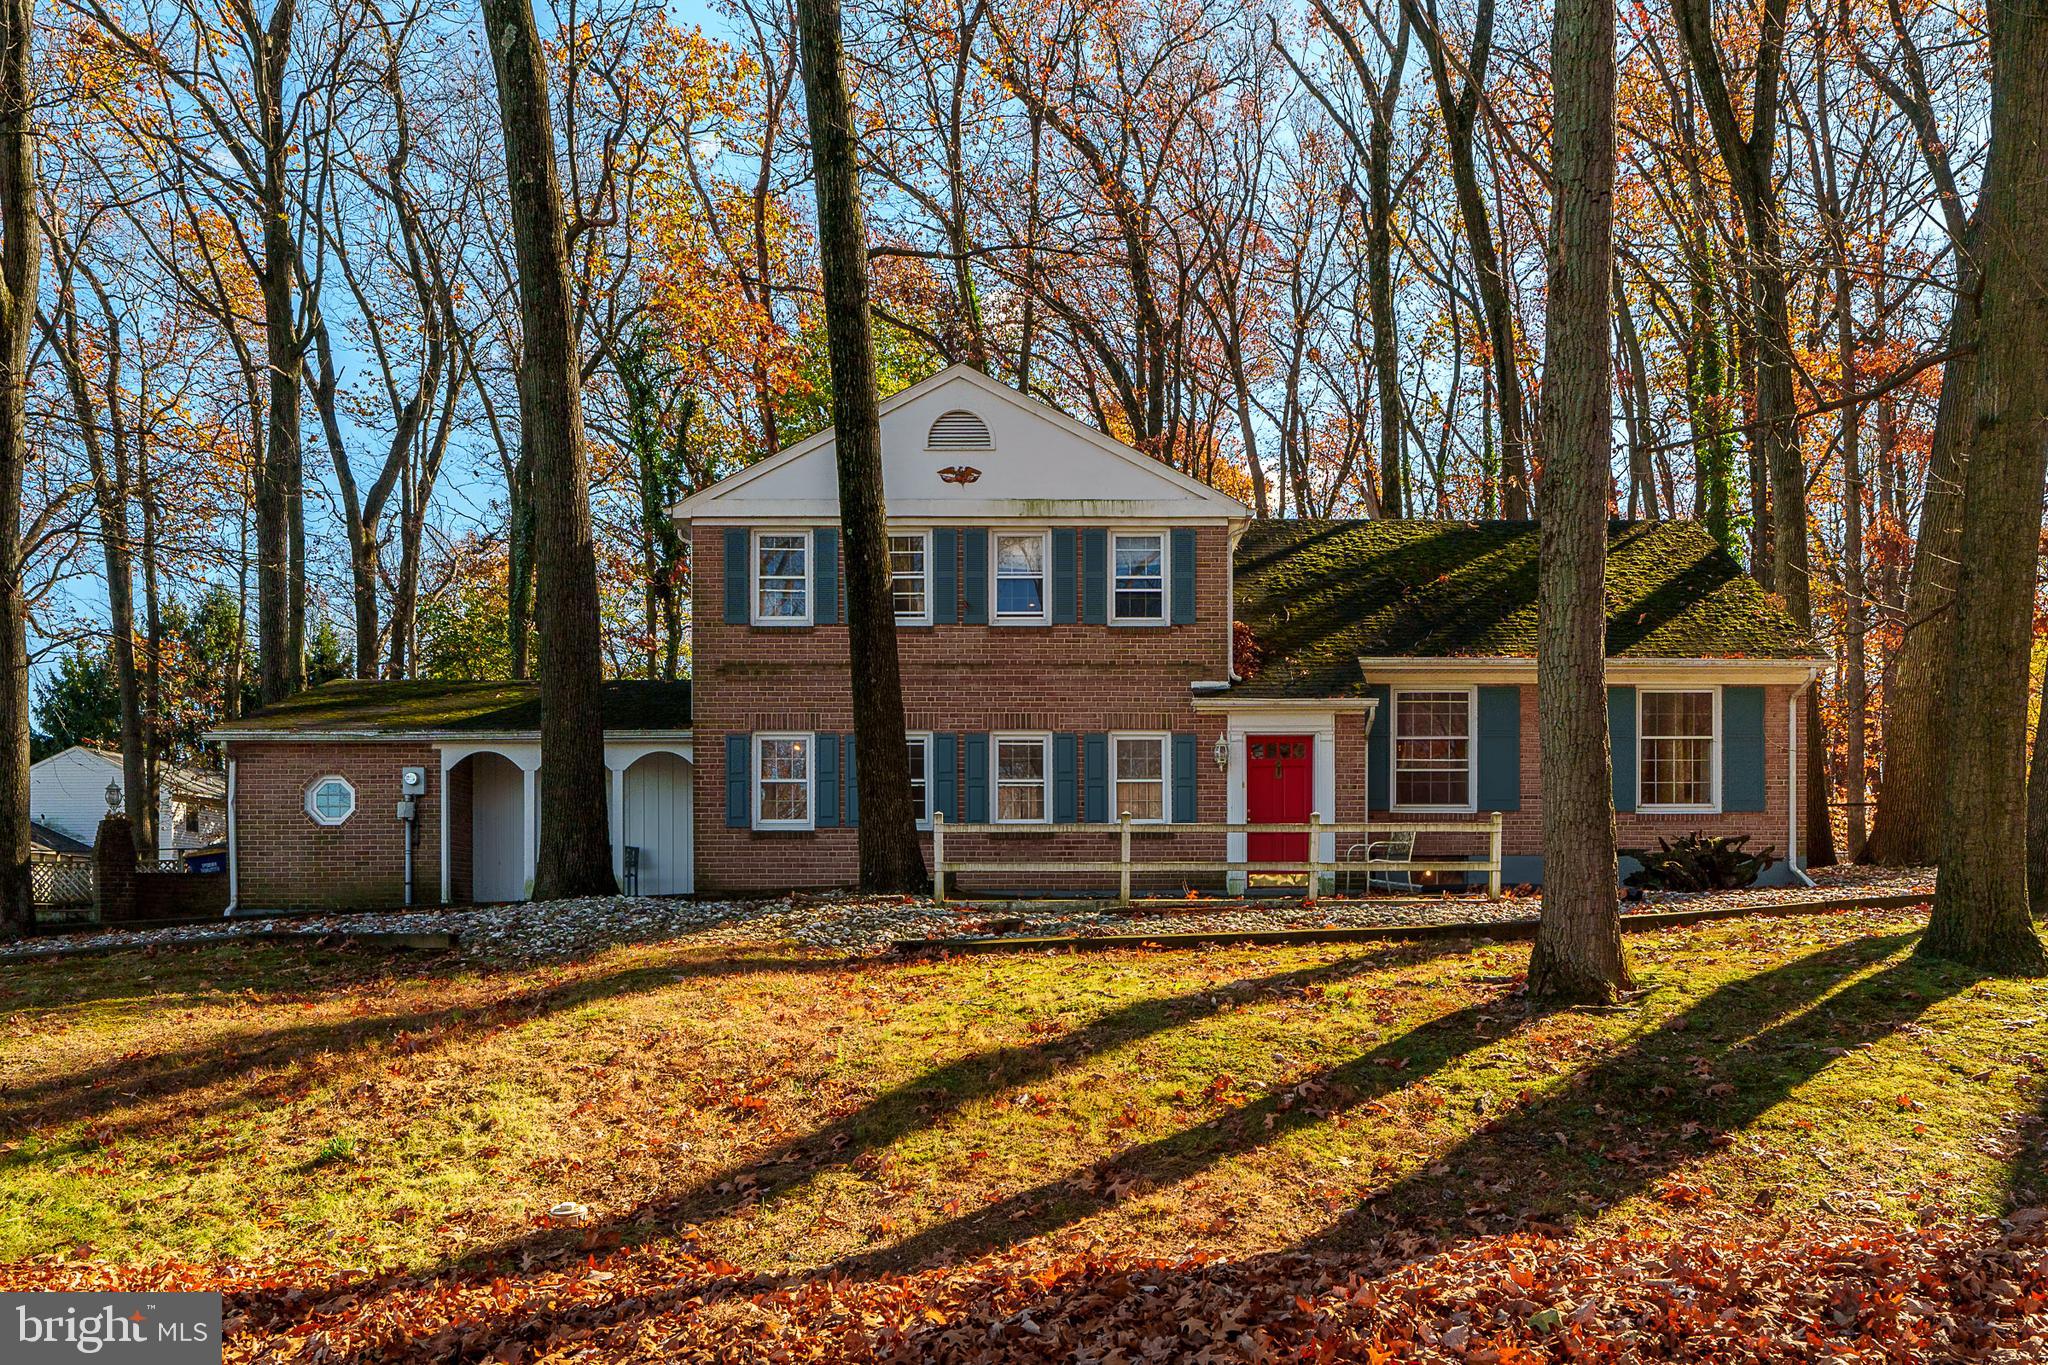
[[655, 825], [486, 830]]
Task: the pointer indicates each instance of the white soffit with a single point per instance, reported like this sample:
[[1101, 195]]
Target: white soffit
[[1038, 463]]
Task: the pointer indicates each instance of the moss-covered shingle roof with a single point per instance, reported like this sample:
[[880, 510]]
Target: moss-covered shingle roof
[[460, 707], [1317, 595]]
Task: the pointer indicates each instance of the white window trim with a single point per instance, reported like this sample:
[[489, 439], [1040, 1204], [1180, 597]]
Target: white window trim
[[1043, 738], [924, 738], [1165, 774], [754, 576], [1711, 807], [313, 811], [1165, 616], [810, 820], [924, 534], [1471, 803], [1043, 616]]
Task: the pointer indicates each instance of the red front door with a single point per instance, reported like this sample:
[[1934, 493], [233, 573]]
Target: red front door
[[1278, 791]]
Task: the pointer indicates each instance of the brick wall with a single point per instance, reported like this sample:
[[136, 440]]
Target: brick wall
[[1077, 679], [287, 861]]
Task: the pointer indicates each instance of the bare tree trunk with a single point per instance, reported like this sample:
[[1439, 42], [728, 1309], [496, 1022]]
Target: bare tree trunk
[[280, 528], [1636, 400], [2037, 811], [890, 858], [1980, 911], [575, 836], [21, 259], [1578, 954]]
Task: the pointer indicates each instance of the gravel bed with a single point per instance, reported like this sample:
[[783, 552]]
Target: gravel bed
[[854, 924]]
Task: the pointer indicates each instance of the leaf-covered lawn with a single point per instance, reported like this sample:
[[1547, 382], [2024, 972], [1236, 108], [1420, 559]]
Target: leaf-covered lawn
[[786, 1113]]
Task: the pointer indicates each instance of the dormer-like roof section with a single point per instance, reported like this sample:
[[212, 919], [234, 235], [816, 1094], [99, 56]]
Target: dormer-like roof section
[[962, 447]]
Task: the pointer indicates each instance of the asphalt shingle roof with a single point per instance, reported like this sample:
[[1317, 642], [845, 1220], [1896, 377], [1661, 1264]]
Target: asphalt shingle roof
[[1316, 595], [460, 707]]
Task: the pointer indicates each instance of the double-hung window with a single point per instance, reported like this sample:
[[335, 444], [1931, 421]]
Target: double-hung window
[[1020, 575], [782, 578], [1023, 779], [1677, 733], [1432, 743], [920, 777], [910, 576], [1140, 589], [782, 781], [1138, 765]]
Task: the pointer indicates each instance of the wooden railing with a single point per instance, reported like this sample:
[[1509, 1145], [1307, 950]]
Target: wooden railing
[[1314, 870]]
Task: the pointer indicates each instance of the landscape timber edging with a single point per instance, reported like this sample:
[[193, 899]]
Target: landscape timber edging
[[1487, 929], [431, 941]]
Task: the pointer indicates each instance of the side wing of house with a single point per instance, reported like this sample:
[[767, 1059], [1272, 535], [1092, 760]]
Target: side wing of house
[[1060, 600]]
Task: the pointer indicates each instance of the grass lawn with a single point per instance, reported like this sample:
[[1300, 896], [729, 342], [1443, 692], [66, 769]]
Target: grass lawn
[[786, 1111]]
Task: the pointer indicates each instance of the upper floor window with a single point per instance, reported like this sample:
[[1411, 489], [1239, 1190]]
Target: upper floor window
[[959, 430], [782, 578], [1433, 750], [1140, 590], [1676, 750], [782, 781], [910, 576], [1020, 576]]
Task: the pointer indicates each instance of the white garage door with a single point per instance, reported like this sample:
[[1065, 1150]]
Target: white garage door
[[497, 829], [657, 822]]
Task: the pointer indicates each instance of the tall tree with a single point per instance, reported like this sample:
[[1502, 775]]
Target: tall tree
[[21, 261], [1578, 940], [575, 837], [1980, 911], [890, 858]]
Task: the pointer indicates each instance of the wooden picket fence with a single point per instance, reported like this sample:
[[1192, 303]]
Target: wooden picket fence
[[1127, 867]]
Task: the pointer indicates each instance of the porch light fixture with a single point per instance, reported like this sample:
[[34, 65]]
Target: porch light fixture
[[1222, 752]]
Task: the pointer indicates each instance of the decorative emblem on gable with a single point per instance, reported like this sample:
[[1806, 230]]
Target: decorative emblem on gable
[[960, 473]]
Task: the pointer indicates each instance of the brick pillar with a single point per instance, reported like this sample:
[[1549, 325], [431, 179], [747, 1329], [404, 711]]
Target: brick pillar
[[113, 853]]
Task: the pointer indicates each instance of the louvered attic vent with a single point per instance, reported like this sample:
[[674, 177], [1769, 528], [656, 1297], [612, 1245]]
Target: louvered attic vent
[[959, 430]]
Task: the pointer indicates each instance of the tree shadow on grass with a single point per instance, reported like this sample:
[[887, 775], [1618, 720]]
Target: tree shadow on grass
[[1641, 1117], [255, 1066], [931, 1097]]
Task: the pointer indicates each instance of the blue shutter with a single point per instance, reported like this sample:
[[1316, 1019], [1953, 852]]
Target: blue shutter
[[739, 781], [849, 809], [825, 780], [1095, 576], [975, 750], [1066, 779], [1185, 773], [945, 576], [1621, 739], [1184, 576], [1095, 779], [737, 574], [1500, 748], [944, 777], [1379, 749], [974, 576], [1063, 577], [1742, 748], [825, 576]]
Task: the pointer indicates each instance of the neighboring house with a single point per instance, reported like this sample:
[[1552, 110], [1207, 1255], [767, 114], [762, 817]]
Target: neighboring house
[[1083, 631], [68, 795]]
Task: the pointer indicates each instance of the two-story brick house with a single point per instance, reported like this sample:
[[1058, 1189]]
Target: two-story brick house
[[1083, 631]]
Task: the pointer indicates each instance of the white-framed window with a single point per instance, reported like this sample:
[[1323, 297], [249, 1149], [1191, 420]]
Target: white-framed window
[[782, 578], [920, 778], [1433, 753], [331, 801], [1020, 558], [1022, 778], [782, 781], [1138, 771], [1678, 749], [1138, 564], [910, 576]]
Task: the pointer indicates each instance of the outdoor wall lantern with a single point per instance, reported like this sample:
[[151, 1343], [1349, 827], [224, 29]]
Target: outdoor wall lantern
[[1222, 752]]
